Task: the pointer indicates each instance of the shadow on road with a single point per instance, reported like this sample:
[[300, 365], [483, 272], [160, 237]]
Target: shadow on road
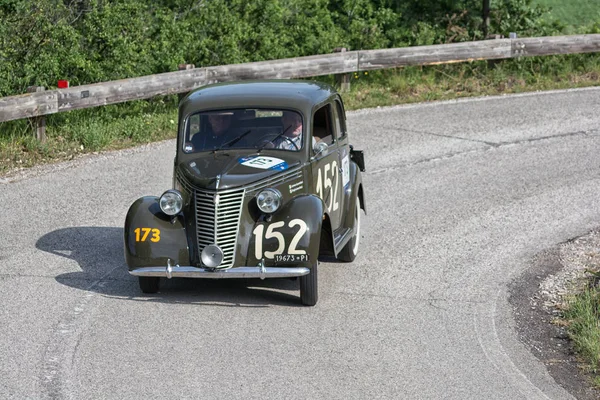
[[99, 253]]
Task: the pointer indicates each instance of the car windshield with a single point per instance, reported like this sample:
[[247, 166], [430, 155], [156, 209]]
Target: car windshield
[[248, 128]]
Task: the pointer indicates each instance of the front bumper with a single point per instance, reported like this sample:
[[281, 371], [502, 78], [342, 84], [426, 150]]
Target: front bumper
[[237, 272]]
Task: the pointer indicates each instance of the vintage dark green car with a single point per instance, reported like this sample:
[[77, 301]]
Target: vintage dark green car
[[265, 182]]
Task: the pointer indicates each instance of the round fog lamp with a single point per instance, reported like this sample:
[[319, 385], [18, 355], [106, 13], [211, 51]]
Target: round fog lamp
[[171, 202], [268, 200], [212, 256]]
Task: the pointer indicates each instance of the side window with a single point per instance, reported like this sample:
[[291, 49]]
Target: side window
[[194, 124], [336, 121], [340, 121], [321, 127]]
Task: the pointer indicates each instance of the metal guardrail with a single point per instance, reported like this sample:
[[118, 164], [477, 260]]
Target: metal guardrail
[[41, 103]]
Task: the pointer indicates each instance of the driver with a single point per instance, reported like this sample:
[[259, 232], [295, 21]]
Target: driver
[[219, 123], [219, 131]]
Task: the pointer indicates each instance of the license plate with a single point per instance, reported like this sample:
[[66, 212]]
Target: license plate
[[281, 258]]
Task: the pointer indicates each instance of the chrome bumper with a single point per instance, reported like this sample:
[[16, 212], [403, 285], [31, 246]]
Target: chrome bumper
[[237, 272]]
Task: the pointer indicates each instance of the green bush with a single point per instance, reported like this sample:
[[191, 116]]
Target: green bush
[[87, 41]]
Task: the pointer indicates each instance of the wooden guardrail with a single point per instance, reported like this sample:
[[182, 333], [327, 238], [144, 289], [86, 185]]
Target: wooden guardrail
[[41, 103]]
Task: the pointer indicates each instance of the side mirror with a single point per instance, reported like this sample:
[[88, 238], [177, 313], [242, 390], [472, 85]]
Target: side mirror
[[319, 147]]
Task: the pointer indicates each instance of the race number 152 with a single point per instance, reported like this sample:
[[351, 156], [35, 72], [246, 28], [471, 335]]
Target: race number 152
[[272, 233], [325, 183]]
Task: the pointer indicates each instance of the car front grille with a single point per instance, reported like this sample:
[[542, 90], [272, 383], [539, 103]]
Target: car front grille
[[218, 220]]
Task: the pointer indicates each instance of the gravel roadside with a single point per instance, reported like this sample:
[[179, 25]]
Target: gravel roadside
[[537, 297]]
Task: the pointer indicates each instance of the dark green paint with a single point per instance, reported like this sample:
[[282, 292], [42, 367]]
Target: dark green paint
[[294, 209], [218, 171], [146, 213], [202, 169]]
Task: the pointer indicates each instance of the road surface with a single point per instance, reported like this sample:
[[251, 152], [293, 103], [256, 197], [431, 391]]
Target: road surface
[[460, 196]]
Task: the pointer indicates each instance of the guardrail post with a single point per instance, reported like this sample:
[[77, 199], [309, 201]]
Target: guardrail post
[[342, 80], [38, 123], [486, 17], [185, 67]]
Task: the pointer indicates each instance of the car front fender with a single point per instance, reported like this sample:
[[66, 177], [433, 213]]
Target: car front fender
[[152, 238], [294, 229]]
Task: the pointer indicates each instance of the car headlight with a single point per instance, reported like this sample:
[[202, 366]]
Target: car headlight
[[171, 202], [268, 200]]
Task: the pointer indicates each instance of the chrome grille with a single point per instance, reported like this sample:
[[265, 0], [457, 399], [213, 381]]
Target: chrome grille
[[218, 221]]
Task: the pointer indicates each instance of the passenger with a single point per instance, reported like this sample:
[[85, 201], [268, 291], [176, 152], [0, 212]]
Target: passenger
[[292, 124]]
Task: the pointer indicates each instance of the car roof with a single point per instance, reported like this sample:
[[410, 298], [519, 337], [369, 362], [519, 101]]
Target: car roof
[[294, 94]]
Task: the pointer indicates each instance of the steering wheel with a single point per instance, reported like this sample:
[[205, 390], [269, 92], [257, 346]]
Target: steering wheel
[[262, 141]]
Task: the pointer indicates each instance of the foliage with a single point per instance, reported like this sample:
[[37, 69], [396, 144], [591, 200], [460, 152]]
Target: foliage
[[88, 41]]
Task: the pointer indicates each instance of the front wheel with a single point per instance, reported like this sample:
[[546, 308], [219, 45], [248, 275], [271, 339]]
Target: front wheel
[[350, 250], [149, 284], [308, 287]]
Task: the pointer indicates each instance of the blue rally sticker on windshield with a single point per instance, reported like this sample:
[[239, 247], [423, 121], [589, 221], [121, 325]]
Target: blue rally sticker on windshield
[[262, 162]]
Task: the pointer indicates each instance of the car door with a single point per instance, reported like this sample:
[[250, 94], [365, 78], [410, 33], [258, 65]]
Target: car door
[[326, 164], [343, 151]]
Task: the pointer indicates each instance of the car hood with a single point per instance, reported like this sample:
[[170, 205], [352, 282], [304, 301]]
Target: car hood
[[228, 170]]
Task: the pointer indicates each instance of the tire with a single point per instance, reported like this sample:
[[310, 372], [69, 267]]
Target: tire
[[350, 250], [149, 284], [309, 294]]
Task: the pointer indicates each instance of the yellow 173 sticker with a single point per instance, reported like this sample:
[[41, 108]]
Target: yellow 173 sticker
[[141, 234]]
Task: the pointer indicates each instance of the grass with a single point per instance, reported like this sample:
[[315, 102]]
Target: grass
[[444, 82], [581, 316], [583, 321], [87, 131], [573, 13], [417, 84], [119, 126]]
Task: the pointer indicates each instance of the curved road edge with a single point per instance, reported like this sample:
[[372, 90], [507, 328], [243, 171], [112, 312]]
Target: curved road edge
[[548, 342]]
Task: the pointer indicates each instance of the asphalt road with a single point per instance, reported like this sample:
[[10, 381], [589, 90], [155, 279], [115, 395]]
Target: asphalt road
[[460, 196]]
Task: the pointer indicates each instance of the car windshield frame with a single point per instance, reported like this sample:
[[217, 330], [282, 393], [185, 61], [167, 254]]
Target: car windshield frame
[[250, 128]]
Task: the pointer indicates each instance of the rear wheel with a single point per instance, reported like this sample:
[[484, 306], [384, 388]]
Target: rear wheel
[[149, 284], [350, 250], [308, 287]]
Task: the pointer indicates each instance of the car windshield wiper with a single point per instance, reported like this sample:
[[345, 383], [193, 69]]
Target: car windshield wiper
[[232, 141], [274, 139]]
